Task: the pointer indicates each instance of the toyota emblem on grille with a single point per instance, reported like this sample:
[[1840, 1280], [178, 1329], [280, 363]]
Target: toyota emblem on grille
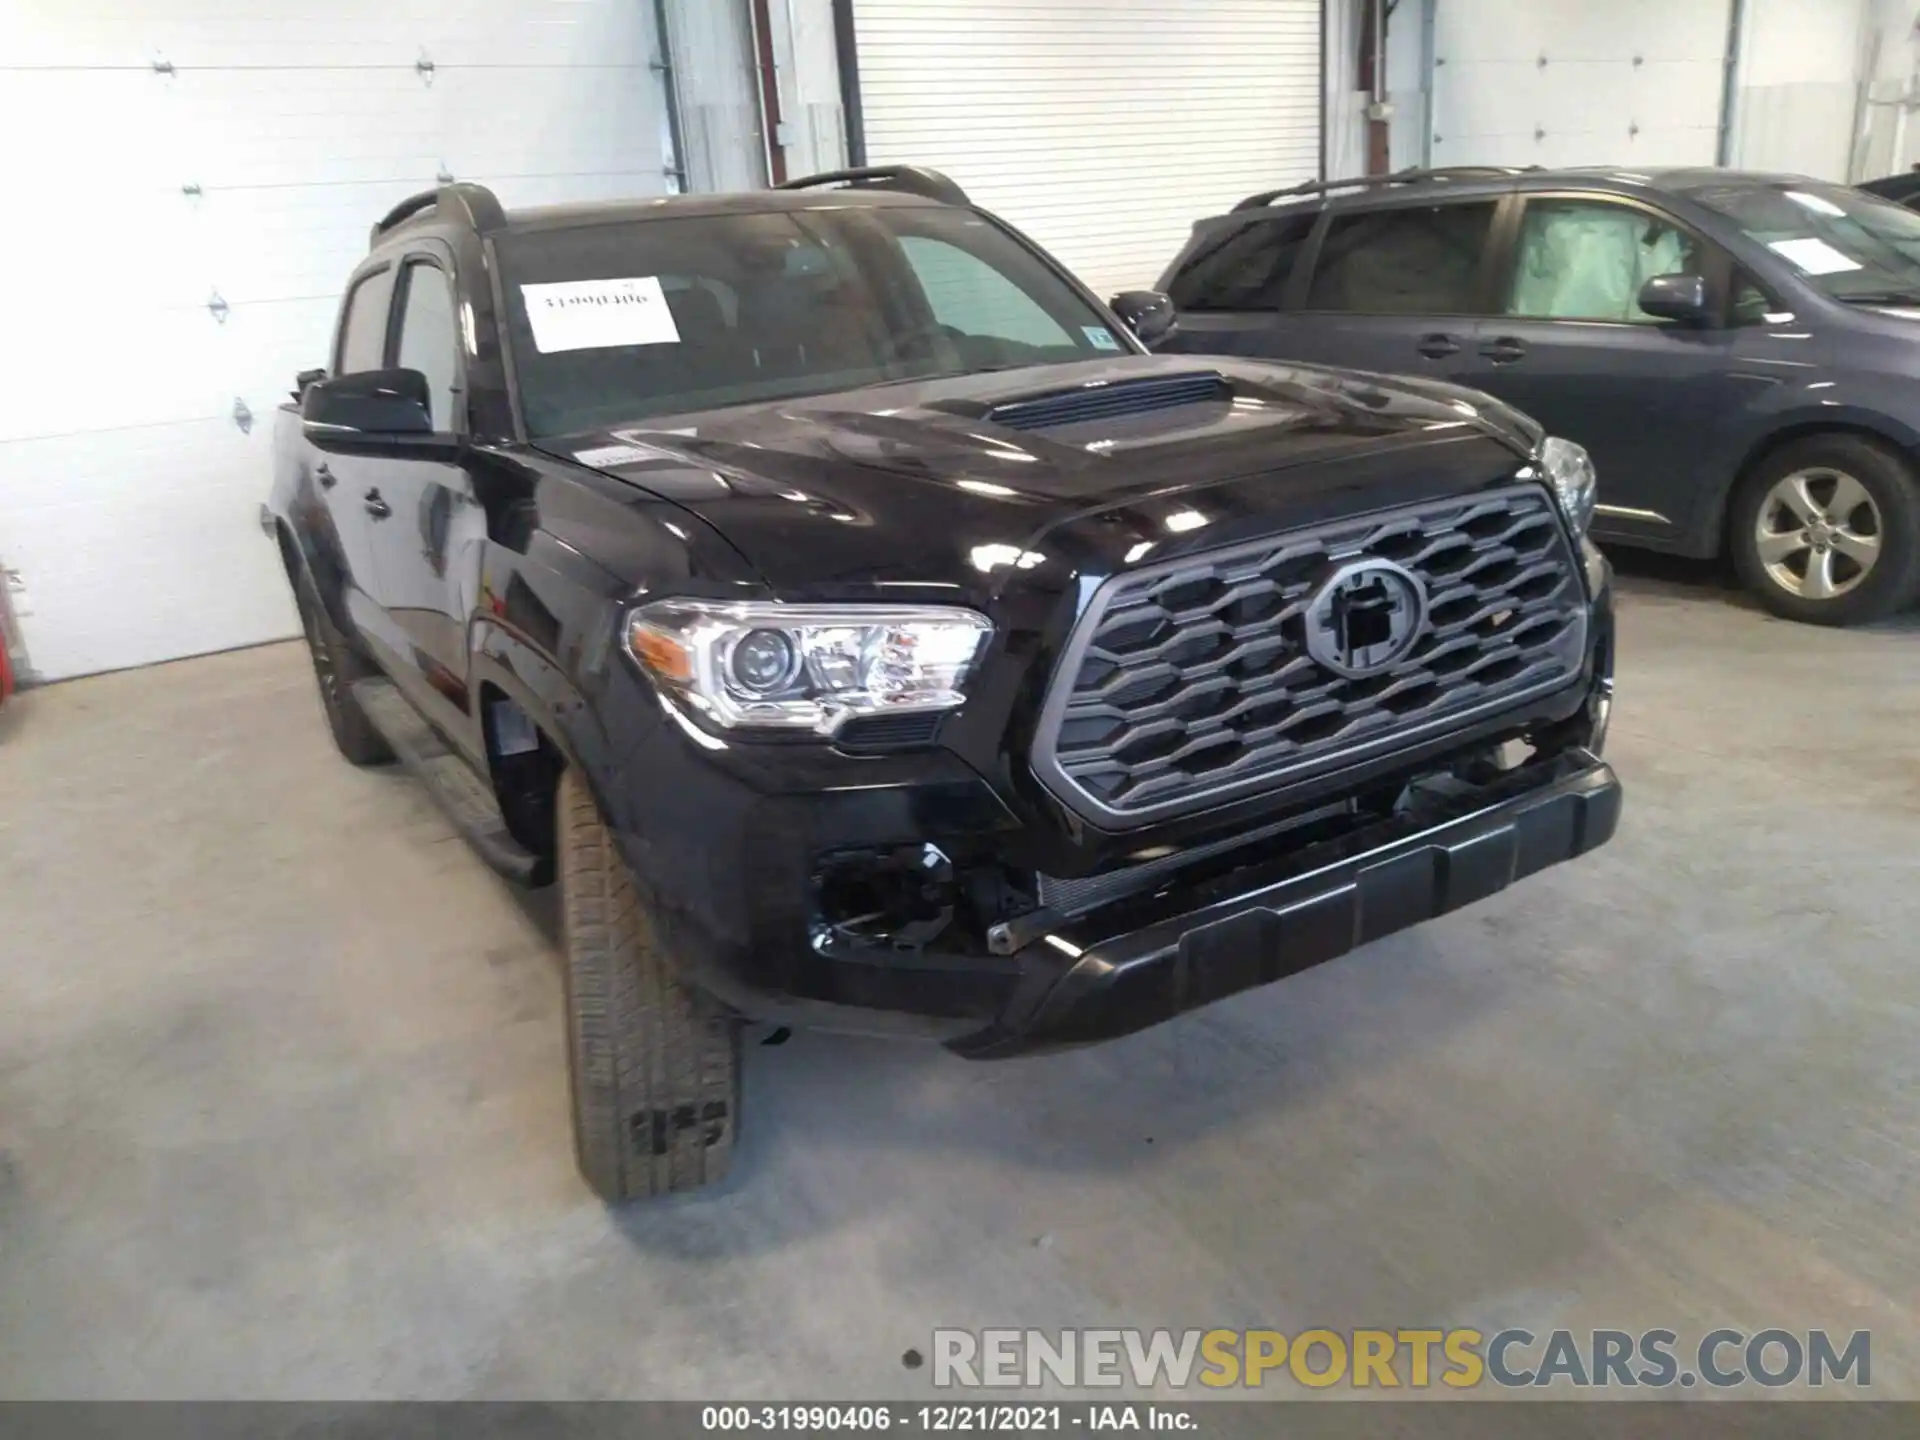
[[1365, 616]]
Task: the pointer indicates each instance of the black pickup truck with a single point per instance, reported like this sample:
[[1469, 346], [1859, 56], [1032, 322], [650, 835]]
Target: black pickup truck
[[867, 632]]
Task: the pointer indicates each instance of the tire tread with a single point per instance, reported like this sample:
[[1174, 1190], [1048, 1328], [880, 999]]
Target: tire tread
[[654, 1068]]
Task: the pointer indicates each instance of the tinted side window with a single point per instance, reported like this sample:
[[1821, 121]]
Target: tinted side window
[[363, 325], [1587, 259], [1411, 260], [1247, 269], [427, 338]]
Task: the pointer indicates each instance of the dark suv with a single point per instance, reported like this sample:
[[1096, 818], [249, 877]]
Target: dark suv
[[865, 631], [1740, 353]]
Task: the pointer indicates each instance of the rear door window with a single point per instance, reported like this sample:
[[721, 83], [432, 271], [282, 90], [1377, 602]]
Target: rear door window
[[1587, 259], [1247, 269], [1406, 260]]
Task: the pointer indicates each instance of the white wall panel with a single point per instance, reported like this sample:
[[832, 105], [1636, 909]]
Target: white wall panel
[[1801, 64], [1103, 128], [171, 508], [1573, 82], [719, 107], [810, 85], [128, 496]]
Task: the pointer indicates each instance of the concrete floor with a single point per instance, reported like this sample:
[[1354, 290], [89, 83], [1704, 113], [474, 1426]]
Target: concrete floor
[[282, 1109]]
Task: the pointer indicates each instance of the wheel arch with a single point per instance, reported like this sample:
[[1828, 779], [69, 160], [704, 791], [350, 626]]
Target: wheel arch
[[1714, 528], [301, 559], [504, 667]]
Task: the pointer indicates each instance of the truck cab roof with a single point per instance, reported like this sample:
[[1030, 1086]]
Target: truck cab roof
[[465, 206]]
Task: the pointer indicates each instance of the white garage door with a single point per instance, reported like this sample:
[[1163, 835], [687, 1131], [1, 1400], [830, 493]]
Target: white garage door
[[1103, 128], [1575, 82], [188, 186]]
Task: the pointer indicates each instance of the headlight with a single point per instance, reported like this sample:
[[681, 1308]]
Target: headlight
[[1571, 471], [806, 667]]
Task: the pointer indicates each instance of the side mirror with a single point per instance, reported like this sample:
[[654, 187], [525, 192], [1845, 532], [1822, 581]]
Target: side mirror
[[373, 412], [1147, 313], [1675, 297]]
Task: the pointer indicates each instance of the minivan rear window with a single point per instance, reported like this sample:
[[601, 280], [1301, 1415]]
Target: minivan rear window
[[1247, 268], [1407, 260]]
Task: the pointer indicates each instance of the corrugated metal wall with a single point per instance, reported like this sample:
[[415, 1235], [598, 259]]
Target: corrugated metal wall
[[1103, 128]]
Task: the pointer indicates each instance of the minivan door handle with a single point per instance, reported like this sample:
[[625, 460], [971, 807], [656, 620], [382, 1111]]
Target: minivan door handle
[[1438, 347], [1504, 350], [376, 507], [325, 476]]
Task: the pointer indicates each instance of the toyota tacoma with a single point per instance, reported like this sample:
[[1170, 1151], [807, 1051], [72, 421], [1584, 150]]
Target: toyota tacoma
[[866, 631]]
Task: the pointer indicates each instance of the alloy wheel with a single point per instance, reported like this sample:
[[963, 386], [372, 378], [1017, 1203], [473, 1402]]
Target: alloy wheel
[[1818, 533]]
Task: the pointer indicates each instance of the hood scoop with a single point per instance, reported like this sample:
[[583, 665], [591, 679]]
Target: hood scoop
[[1112, 400]]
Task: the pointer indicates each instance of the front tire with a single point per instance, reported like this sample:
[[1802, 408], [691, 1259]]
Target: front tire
[[336, 666], [655, 1067], [1827, 531]]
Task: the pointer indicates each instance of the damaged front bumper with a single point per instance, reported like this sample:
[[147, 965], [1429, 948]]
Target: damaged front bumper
[[1136, 963]]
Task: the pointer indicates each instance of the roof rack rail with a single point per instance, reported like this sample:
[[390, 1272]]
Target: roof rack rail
[[913, 179], [460, 200], [1413, 176]]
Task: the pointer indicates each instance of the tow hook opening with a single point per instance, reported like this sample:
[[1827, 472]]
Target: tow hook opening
[[904, 896]]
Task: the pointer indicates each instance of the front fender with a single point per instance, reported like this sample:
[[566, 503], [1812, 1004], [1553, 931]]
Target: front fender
[[1871, 406], [507, 663]]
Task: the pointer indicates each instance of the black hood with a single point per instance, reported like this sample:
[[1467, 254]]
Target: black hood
[[941, 483]]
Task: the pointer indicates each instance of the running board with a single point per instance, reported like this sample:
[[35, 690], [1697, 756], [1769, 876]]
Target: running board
[[469, 803]]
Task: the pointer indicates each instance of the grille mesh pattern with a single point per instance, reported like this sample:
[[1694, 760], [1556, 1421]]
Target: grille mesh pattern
[[1193, 677]]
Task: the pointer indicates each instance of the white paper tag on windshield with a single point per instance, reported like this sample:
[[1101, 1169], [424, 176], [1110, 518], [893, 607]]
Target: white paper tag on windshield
[[599, 314], [1813, 256]]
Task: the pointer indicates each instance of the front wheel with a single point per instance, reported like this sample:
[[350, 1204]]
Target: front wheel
[[655, 1067], [1827, 531]]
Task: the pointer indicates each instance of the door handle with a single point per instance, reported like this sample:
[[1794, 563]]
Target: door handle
[[376, 507], [1504, 350], [1438, 347], [325, 476]]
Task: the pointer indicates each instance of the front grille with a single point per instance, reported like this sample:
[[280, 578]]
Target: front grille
[[1190, 681]]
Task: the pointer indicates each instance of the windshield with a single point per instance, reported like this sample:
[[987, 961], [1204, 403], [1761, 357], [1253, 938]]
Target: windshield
[[1856, 247], [623, 321]]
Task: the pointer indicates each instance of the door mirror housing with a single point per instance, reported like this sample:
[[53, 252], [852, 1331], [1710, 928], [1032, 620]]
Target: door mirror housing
[[1676, 297], [1149, 314], [374, 412]]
